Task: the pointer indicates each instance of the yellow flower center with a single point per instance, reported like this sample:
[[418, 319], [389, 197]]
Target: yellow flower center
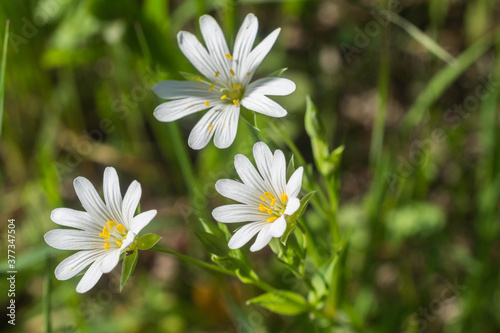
[[113, 232], [272, 206]]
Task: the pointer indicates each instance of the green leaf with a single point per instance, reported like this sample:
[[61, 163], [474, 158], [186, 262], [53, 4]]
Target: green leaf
[[128, 267], [211, 228], [313, 123], [290, 226], [278, 72], [212, 243], [281, 301], [2, 72], [303, 205], [250, 117], [147, 241], [291, 167]]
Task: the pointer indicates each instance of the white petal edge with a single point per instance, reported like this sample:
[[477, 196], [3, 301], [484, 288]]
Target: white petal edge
[[71, 239], [263, 239], [263, 105], [173, 89], [295, 183], [75, 263], [244, 234], [264, 160], [90, 278], [292, 206], [237, 191], [248, 174], [202, 132], [142, 220], [236, 213], [130, 202], [278, 227], [196, 54], [275, 86], [227, 126], [179, 108], [112, 194], [76, 219], [91, 200], [110, 260]]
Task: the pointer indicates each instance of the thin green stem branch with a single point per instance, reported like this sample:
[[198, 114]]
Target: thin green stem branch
[[194, 261]]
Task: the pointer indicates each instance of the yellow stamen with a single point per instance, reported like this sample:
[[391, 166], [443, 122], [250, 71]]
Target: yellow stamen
[[111, 224], [269, 196], [232, 72], [119, 243], [235, 102], [270, 212], [223, 97], [273, 202], [263, 208], [198, 79], [217, 74], [229, 56], [211, 87], [207, 104], [107, 246], [106, 240], [284, 198], [272, 219], [121, 228], [236, 86], [262, 198], [249, 73], [105, 232]]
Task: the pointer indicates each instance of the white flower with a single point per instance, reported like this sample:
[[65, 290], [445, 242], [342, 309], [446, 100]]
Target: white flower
[[266, 198], [225, 85], [102, 233]]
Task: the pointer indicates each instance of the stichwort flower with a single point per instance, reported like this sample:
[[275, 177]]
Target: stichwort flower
[[102, 233], [266, 199], [224, 85]]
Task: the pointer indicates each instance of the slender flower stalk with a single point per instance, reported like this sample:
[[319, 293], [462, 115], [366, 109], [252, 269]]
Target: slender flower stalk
[[225, 85], [266, 199], [102, 233]]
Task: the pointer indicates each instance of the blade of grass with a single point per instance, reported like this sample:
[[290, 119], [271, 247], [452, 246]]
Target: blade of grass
[[423, 39], [2, 72], [444, 78]]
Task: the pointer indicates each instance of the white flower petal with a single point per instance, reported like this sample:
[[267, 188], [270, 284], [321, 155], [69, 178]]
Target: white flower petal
[[292, 205], [181, 89], [203, 131], [128, 240], [179, 108], [264, 105], [248, 174], [75, 263], [90, 200], [295, 183], [90, 277], [76, 219], [70, 239], [130, 202], [275, 86], [237, 191], [142, 220], [196, 54], [264, 160], [278, 172], [216, 45], [110, 260], [278, 227], [112, 194], [259, 53], [263, 239], [243, 44], [244, 234], [238, 213], [227, 126]]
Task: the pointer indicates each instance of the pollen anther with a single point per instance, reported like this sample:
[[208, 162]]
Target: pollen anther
[[235, 102], [229, 56], [207, 104], [217, 74], [284, 198], [211, 87], [272, 219], [237, 86], [223, 97], [232, 72], [107, 246]]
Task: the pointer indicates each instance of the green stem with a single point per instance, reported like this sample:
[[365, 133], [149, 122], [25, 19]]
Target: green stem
[[46, 295], [195, 261]]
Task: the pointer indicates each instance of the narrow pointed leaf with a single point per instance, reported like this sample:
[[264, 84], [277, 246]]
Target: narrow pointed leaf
[[128, 267]]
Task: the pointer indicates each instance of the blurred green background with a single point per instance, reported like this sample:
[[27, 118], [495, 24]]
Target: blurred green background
[[416, 106]]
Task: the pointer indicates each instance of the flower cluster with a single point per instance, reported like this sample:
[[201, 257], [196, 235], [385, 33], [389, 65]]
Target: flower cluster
[[106, 230]]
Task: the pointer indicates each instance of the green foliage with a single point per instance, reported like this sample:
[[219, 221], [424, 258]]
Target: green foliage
[[147, 241], [128, 267], [281, 301]]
